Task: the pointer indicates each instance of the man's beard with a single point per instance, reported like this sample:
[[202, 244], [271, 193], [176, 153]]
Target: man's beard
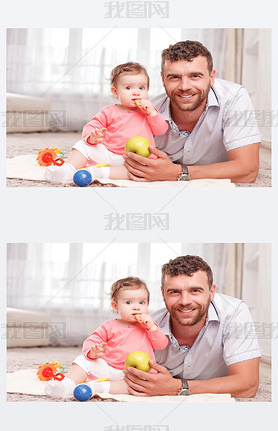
[[185, 105], [199, 312]]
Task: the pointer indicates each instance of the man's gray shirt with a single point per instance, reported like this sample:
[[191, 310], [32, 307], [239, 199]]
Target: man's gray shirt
[[228, 337], [227, 123]]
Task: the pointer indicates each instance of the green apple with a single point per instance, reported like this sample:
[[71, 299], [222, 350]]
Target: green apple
[[138, 145], [139, 360]]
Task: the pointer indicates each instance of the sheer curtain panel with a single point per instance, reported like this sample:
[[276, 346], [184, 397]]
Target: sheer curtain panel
[[71, 282], [71, 66]]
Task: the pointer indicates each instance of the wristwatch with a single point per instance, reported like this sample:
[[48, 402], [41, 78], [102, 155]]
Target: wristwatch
[[184, 389], [184, 176]]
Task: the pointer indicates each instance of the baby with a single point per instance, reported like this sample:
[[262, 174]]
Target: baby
[[105, 351], [105, 136]]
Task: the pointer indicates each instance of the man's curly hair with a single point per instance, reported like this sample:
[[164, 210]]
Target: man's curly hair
[[186, 50], [186, 265]]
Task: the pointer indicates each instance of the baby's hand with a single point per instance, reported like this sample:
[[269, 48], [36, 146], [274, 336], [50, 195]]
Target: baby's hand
[[147, 107], [97, 136], [97, 350], [148, 322]]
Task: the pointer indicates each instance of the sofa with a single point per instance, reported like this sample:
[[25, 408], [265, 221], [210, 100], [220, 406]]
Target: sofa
[[26, 113], [27, 328]]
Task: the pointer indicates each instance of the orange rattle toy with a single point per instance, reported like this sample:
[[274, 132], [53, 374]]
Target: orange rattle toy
[[48, 371], [48, 157]]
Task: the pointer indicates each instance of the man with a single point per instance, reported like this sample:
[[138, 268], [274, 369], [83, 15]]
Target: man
[[212, 343], [212, 132]]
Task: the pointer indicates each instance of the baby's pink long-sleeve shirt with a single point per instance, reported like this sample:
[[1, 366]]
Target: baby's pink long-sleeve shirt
[[122, 125], [124, 339]]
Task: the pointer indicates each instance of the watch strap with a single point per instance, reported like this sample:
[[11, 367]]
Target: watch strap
[[184, 389], [184, 176]]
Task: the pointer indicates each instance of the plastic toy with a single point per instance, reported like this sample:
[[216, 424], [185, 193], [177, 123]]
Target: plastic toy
[[49, 371], [82, 178], [48, 157], [103, 379], [59, 376], [82, 392]]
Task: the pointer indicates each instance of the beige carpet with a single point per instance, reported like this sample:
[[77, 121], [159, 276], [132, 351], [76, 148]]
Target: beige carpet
[[33, 357], [27, 382], [19, 144], [27, 168]]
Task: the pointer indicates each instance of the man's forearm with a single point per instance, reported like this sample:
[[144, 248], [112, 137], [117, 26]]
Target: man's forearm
[[225, 170], [234, 385], [242, 166]]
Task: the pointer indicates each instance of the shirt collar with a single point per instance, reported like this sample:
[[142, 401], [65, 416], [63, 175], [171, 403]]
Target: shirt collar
[[166, 113], [211, 101], [175, 342], [211, 316], [212, 313], [212, 98], [174, 127]]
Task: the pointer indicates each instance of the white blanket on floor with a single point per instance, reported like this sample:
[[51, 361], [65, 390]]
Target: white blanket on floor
[[27, 382], [27, 168]]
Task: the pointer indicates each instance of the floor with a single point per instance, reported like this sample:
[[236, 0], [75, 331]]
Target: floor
[[33, 357], [265, 155], [31, 143], [265, 370]]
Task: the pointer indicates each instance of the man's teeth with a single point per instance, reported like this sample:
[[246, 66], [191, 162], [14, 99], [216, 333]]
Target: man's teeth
[[187, 97], [186, 311]]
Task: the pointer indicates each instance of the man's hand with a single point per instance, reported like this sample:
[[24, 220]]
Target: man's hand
[[146, 169], [144, 384]]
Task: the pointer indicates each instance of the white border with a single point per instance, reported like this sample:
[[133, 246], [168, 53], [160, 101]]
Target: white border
[[230, 216]]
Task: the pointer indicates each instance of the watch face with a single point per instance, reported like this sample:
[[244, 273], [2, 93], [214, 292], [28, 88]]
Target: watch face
[[185, 388], [184, 392], [184, 177]]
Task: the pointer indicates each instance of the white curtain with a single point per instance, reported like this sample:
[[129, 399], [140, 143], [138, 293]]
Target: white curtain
[[71, 67], [256, 291], [256, 76], [249, 63], [249, 278], [71, 282]]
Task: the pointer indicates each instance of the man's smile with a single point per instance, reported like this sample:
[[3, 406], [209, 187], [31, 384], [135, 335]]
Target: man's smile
[[187, 311], [186, 96]]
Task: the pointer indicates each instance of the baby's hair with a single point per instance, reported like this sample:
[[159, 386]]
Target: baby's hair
[[130, 68], [127, 283]]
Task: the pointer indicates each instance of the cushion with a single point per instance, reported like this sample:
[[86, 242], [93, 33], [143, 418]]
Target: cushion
[[26, 113], [26, 328]]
